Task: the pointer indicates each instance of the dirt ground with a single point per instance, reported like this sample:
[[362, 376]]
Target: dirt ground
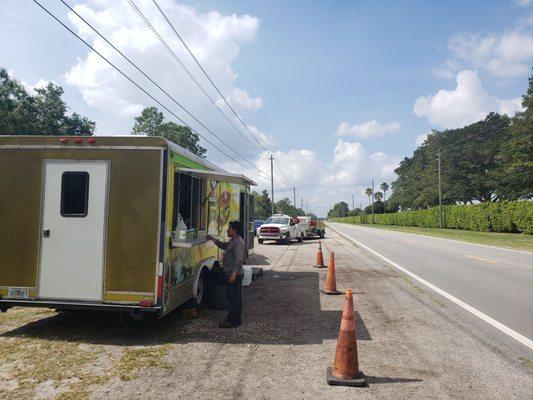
[[411, 344]]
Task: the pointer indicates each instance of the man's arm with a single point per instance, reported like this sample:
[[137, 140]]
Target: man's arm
[[221, 245]]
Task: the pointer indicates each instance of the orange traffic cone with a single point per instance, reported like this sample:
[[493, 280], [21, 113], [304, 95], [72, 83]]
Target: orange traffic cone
[[330, 285], [319, 257], [345, 371]]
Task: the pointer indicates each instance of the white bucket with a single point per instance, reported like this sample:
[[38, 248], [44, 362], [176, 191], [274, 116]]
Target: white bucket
[[247, 279]]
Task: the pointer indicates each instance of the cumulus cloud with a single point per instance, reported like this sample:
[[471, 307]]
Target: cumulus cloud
[[366, 130], [242, 100], [506, 55], [467, 103], [420, 139], [352, 166], [214, 38], [41, 83], [323, 180]]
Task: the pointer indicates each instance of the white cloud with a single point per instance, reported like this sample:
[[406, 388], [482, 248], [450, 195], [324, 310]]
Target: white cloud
[[242, 100], [263, 138], [214, 38], [524, 3], [506, 55], [369, 129], [420, 139], [352, 166], [467, 103], [323, 182], [41, 83]]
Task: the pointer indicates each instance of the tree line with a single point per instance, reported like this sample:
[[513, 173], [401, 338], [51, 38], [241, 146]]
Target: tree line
[[263, 206], [487, 161], [44, 112]]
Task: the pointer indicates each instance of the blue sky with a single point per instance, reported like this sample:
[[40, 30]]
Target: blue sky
[[339, 90]]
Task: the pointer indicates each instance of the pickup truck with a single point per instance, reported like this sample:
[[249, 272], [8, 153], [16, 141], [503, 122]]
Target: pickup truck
[[280, 228]]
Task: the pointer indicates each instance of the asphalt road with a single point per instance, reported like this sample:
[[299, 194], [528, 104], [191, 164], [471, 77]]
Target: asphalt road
[[496, 281]]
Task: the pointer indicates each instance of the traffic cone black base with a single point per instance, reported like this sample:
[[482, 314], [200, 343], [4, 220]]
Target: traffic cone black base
[[359, 381], [334, 292], [319, 266]]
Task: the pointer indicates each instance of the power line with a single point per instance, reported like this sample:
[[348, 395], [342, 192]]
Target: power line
[[283, 176], [187, 71], [136, 84], [206, 74], [156, 84]]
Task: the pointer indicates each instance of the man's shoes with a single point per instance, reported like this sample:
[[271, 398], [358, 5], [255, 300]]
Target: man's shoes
[[225, 324]]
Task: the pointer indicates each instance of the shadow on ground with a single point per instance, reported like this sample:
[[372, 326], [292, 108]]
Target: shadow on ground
[[279, 308]]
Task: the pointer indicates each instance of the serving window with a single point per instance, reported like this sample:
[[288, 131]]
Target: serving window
[[189, 209]]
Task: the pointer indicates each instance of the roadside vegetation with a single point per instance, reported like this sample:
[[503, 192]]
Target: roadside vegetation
[[509, 240], [503, 217]]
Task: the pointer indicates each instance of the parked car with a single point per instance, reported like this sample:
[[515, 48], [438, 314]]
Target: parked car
[[281, 228], [256, 224]]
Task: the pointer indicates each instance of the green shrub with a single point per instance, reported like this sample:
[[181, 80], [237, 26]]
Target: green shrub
[[504, 216]]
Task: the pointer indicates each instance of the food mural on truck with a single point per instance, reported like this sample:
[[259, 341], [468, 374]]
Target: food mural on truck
[[227, 207], [222, 207]]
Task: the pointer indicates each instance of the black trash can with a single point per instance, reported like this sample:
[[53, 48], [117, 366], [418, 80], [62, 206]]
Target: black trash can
[[216, 289]]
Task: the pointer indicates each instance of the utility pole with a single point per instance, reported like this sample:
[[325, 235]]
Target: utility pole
[[302, 204], [306, 208], [372, 200], [272, 180], [294, 196], [440, 194]]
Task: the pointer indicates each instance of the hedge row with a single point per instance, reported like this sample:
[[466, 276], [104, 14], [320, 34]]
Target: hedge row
[[511, 216]]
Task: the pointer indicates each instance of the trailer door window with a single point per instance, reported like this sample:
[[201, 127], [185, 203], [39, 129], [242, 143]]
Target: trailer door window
[[74, 194]]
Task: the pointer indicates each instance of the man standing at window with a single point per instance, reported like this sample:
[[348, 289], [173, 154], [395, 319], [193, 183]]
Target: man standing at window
[[232, 264]]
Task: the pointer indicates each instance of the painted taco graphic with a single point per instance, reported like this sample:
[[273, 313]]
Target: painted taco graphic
[[224, 210]]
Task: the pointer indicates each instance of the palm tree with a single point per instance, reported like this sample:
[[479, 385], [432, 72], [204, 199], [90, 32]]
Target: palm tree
[[368, 192], [384, 186], [378, 196]]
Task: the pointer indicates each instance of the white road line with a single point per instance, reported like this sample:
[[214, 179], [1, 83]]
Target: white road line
[[498, 325]]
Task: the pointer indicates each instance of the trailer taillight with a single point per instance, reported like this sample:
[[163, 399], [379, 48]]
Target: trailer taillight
[[77, 140], [91, 140], [63, 140]]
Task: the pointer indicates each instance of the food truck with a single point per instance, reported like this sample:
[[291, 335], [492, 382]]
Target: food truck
[[112, 223]]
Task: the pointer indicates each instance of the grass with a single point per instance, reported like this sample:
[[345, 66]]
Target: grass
[[509, 240], [31, 360]]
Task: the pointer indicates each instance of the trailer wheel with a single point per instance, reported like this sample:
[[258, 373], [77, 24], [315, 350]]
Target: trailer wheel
[[260, 241], [201, 291]]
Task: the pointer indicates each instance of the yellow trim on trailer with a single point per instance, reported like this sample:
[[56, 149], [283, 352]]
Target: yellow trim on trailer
[[128, 297]]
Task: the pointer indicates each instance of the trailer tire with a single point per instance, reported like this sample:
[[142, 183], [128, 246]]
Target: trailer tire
[[201, 291], [199, 300], [260, 241]]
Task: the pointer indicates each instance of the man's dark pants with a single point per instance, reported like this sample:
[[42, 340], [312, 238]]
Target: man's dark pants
[[233, 294]]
